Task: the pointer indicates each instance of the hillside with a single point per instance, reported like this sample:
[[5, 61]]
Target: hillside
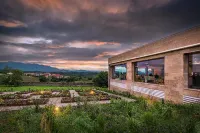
[[28, 67]]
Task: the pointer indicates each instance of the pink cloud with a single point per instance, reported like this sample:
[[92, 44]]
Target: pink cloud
[[89, 44], [12, 24]]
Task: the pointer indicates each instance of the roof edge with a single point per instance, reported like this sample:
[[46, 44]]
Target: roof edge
[[166, 37]]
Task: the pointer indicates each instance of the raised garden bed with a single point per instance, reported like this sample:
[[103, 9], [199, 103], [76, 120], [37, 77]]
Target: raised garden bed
[[108, 97], [67, 100], [13, 96], [60, 94], [91, 93], [23, 102]]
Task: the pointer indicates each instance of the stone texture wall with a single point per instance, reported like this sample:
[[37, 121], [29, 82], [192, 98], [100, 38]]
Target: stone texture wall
[[175, 86]]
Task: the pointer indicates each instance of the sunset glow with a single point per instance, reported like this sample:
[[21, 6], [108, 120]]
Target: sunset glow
[[83, 34]]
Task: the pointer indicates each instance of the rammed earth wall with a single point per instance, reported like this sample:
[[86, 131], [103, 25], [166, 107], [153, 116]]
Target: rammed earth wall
[[174, 50]]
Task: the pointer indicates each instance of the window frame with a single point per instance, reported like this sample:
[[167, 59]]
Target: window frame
[[147, 71], [188, 69], [113, 71]]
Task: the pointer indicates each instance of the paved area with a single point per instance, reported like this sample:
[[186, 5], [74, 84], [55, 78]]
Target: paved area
[[35, 97], [5, 93], [54, 101], [56, 93], [73, 93], [26, 95]]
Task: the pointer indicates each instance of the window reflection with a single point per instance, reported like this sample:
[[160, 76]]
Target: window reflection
[[151, 71], [119, 72], [194, 70]]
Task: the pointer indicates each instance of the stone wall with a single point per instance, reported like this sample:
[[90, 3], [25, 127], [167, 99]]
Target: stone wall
[[175, 86]]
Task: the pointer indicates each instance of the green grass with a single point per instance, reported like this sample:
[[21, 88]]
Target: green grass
[[30, 79], [24, 88], [117, 117]]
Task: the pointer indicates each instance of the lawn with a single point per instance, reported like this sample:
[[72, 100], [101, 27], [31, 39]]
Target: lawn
[[24, 88], [30, 79], [117, 117]]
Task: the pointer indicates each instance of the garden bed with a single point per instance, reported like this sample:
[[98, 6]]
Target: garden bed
[[56, 94], [108, 97], [91, 93], [23, 102], [88, 98], [67, 100], [13, 96]]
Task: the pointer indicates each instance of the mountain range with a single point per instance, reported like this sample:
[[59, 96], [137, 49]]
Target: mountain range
[[28, 67]]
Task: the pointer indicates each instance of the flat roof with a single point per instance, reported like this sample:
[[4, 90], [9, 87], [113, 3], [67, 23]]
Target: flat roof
[[178, 41]]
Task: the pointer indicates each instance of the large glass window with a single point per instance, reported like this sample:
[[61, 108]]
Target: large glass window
[[119, 72], [194, 70], [151, 71]]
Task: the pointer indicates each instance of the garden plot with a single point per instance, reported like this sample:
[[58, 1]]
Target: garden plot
[[94, 95], [60, 98]]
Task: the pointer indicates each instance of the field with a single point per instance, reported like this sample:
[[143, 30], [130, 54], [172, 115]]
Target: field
[[30, 79], [25, 88]]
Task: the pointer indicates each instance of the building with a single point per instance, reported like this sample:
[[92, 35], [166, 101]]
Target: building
[[57, 76], [166, 69], [47, 75]]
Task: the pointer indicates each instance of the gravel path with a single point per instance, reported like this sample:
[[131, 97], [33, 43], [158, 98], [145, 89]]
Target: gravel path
[[73, 93], [54, 101], [11, 108]]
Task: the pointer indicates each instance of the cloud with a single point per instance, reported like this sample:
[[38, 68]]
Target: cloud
[[12, 24], [108, 54], [92, 44], [80, 65], [25, 40], [47, 31]]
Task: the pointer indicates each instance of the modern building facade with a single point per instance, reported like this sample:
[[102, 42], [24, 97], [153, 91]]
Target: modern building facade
[[166, 69]]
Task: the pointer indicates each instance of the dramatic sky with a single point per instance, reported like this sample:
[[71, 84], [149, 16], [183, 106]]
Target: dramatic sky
[[82, 34]]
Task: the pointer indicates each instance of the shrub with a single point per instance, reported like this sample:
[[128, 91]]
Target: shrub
[[118, 116], [101, 79]]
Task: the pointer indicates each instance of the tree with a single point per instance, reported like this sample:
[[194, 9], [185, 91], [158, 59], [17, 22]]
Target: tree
[[101, 79], [6, 70], [72, 79], [54, 79], [15, 78], [43, 78], [2, 79]]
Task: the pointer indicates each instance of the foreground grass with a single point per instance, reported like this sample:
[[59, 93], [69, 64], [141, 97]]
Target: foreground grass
[[117, 117], [25, 88]]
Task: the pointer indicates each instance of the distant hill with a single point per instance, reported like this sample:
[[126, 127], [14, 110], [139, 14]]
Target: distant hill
[[28, 67]]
